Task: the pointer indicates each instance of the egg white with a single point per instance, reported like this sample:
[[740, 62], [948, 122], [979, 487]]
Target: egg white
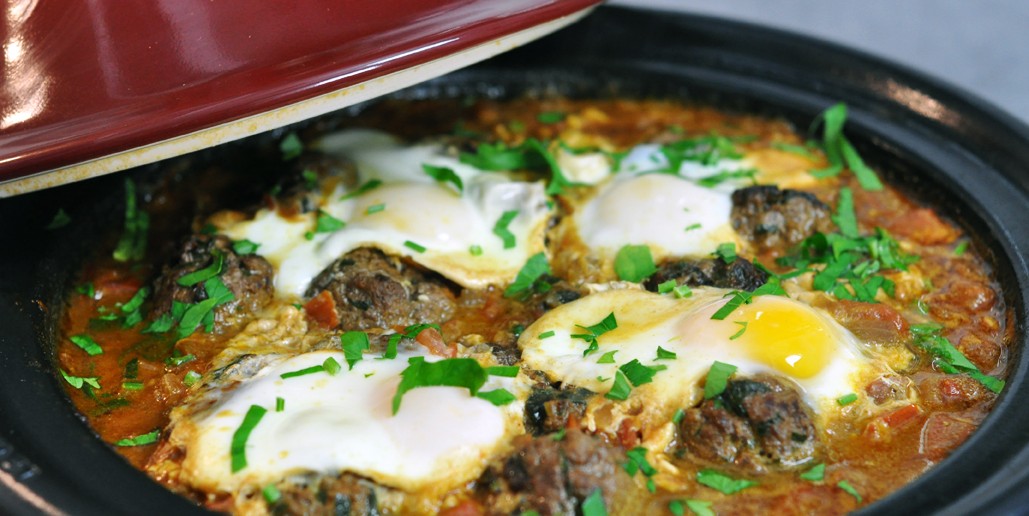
[[415, 208], [440, 438]]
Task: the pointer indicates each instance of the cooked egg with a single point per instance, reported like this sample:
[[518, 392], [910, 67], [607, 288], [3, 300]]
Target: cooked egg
[[440, 438], [410, 214], [671, 213], [772, 334]]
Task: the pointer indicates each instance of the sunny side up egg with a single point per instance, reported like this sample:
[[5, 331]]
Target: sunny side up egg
[[439, 438], [771, 334], [448, 230], [673, 212]]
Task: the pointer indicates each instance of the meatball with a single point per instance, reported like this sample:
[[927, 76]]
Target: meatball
[[250, 278], [549, 410], [738, 275], [775, 220], [372, 290], [553, 476], [755, 425]]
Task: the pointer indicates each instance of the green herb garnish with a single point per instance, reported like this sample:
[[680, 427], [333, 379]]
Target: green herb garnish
[[721, 482], [634, 263], [525, 281], [444, 175], [500, 228], [140, 440], [717, 379], [354, 344], [238, 447]]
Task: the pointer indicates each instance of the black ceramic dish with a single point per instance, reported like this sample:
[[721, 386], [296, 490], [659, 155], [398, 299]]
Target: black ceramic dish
[[947, 147]]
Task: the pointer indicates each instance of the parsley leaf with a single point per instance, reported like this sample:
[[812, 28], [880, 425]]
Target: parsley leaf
[[451, 372], [639, 374], [534, 268], [664, 354], [844, 485], [188, 280], [238, 446], [621, 388], [291, 146], [948, 358], [607, 324], [354, 344], [815, 474], [634, 263], [132, 244], [550, 117], [721, 482], [844, 217], [368, 186], [593, 505], [140, 440], [840, 151], [500, 228], [726, 251], [498, 397], [245, 247], [717, 379], [87, 344], [444, 175], [78, 381]]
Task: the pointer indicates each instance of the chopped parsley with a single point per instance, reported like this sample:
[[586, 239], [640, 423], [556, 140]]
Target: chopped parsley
[[706, 150], [291, 146], [717, 379], [593, 505], [140, 440], [176, 361], [727, 175], [271, 493], [678, 415], [189, 317], [500, 228], [961, 248], [844, 485], [546, 334], [444, 175], [475, 250], [132, 386], [280, 404], [331, 366], [607, 358], [840, 151], [847, 399], [60, 220], [741, 297], [799, 150], [368, 186], [375, 208], [634, 263], [87, 344], [410, 332], [86, 289], [949, 359], [238, 447], [132, 244], [305, 371], [131, 309], [354, 344], [726, 251], [503, 371], [498, 397], [742, 330], [535, 267], [621, 388], [844, 216], [451, 372], [191, 378], [638, 462], [418, 248], [605, 325], [721, 482], [78, 381], [815, 474], [550, 117], [639, 374], [324, 223], [530, 155], [245, 247], [692, 227], [206, 273], [698, 507]]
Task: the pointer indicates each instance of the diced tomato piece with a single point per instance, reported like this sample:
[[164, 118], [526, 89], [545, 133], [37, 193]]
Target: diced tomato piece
[[322, 310], [628, 434], [116, 285], [876, 322], [901, 416], [464, 508], [879, 428], [433, 341], [942, 433]]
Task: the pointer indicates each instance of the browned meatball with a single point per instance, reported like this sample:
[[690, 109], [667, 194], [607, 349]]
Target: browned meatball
[[775, 220], [372, 290], [250, 278], [738, 275], [554, 476], [755, 425]]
